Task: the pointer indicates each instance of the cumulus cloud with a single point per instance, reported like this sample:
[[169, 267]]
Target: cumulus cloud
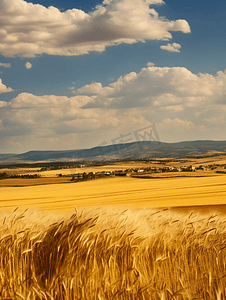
[[171, 47], [59, 113], [181, 104], [160, 88], [179, 125], [5, 65], [150, 64], [3, 103], [178, 129], [4, 88], [56, 119], [30, 29], [28, 65]]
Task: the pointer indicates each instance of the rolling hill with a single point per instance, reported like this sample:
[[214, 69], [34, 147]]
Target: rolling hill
[[135, 150]]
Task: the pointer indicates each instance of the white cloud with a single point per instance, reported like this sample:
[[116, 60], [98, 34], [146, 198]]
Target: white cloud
[[178, 129], [217, 119], [30, 29], [28, 65], [183, 105], [5, 65], [160, 88], [150, 64], [171, 47], [30, 119], [60, 113], [3, 103], [3, 88], [93, 88], [179, 125]]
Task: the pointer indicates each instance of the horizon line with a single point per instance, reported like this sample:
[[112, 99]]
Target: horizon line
[[183, 141]]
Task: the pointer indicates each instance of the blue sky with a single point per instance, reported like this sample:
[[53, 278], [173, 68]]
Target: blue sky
[[77, 74]]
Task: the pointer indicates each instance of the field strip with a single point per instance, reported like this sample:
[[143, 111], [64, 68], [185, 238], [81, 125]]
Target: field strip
[[131, 191], [156, 201], [120, 191], [124, 193]]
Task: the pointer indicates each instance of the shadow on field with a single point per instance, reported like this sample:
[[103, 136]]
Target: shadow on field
[[202, 209]]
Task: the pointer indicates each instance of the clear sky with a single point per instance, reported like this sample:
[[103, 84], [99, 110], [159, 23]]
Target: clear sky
[[78, 74]]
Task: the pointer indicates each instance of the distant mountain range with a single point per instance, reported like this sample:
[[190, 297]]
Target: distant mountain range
[[135, 150]]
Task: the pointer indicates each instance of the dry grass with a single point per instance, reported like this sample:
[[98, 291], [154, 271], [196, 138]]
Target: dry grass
[[112, 253]]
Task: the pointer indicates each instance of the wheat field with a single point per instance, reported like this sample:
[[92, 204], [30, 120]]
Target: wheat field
[[132, 192], [112, 253], [111, 247]]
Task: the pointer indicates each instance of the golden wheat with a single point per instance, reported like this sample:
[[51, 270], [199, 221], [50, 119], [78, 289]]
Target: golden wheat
[[112, 253], [133, 192]]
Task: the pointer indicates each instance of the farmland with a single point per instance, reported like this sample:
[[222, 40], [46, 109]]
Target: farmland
[[112, 253], [160, 235], [125, 191], [73, 167]]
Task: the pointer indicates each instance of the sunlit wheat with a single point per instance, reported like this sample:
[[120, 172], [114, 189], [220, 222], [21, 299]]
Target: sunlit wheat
[[112, 253]]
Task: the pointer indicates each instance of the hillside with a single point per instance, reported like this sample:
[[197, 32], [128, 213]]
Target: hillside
[[135, 150]]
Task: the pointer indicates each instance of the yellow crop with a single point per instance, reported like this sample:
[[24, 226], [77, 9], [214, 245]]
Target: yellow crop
[[112, 253], [132, 192]]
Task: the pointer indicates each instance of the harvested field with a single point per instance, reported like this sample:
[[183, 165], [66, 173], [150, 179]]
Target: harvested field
[[20, 182], [15, 171]]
